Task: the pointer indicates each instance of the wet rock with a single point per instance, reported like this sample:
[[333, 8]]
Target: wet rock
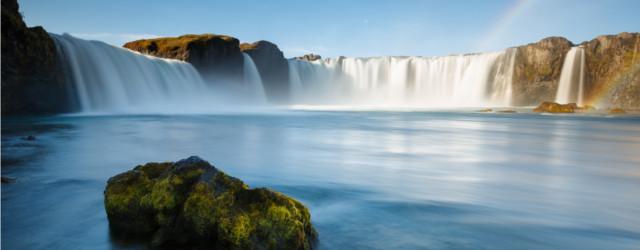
[[484, 110], [273, 69], [7, 180], [33, 80], [553, 107], [507, 111], [587, 108], [191, 204], [617, 111], [29, 138], [537, 70]]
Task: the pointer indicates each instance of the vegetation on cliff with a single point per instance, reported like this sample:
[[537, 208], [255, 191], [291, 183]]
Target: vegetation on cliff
[[191, 204], [213, 55]]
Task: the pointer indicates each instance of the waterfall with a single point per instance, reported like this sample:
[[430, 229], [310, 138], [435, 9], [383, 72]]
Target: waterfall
[[112, 79], [472, 80], [252, 83], [571, 85]]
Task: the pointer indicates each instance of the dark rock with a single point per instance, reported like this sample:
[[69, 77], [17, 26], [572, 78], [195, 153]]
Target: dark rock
[[507, 111], [537, 70], [33, 80], [552, 107], [191, 204], [29, 138], [7, 180], [273, 68], [309, 57], [216, 57]]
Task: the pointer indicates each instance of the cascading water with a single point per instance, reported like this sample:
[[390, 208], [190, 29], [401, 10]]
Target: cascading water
[[451, 81], [252, 82], [571, 85], [112, 79]]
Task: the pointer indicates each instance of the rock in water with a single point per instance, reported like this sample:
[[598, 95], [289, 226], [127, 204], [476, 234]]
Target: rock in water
[[617, 111], [6, 179], [552, 107], [29, 138], [191, 204]]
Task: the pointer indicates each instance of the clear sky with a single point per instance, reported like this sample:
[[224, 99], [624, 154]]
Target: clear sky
[[343, 27]]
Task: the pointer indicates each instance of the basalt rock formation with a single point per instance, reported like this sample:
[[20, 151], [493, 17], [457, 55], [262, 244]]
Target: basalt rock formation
[[190, 204], [613, 70], [214, 56], [537, 70], [33, 80], [273, 68]]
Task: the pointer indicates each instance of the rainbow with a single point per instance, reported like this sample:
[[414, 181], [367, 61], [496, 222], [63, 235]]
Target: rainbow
[[603, 90], [501, 24]]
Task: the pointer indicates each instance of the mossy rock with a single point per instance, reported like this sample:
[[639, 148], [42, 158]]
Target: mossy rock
[[191, 204], [553, 107]]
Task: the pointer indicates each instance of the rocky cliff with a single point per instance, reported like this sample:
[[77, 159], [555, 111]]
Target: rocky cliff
[[32, 79], [215, 56], [537, 70], [613, 70], [273, 68]]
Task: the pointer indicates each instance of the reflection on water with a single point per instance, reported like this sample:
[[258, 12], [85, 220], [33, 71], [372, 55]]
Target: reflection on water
[[381, 180]]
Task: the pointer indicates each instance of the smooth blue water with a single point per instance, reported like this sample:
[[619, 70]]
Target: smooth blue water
[[372, 180]]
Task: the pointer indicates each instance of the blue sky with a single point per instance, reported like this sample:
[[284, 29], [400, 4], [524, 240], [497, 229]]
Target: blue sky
[[343, 27]]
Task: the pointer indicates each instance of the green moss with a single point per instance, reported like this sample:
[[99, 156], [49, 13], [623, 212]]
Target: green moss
[[154, 170], [170, 45], [220, 210], [197, 209], [125, 189]]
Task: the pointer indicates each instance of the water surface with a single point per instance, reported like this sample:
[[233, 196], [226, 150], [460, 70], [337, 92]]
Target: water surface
[[372, 180]]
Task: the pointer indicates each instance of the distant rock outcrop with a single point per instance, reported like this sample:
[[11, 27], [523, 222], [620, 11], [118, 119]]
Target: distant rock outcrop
[[33, 80], [273, 68], [190, 204], [537, 70], [214, 56], [309, 57], [613, 70]]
